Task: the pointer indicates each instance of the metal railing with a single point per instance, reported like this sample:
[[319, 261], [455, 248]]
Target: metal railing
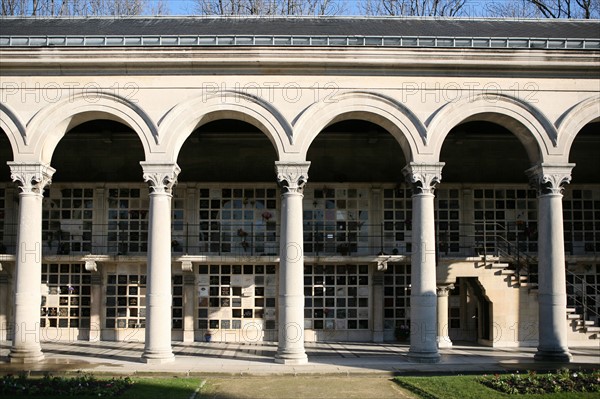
[[582, 296], [511, 241]]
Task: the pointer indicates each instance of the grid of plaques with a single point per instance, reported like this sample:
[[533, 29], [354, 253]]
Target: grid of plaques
[[583, 290], [67, 220], [336, 220], [231, 297], [177, 304], [508, 213], [66, 296], [126, 301], [448, 220], [127, 220], [2, 243], [581, 209], [397, 220], [396, 301], [336, 297], [239, 221], [178, 224]]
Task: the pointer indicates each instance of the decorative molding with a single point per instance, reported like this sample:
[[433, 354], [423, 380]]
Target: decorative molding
[[549, 179], [423, 176], [444, 290], [382, 264], [292, 176], [187, 266], [33, 177], [91, 266], [161, 177]]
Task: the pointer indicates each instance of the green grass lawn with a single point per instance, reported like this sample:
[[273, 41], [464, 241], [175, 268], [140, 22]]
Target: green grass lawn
[[466, 387], [143, 388]]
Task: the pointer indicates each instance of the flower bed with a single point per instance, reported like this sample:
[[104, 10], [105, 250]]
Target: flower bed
[[83, 384], [563, 380]]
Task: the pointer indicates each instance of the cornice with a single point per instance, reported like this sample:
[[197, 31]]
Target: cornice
[[182, 60]]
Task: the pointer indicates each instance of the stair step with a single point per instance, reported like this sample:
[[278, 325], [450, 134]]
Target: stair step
[[525, 284], [570, 310], [499, 265], [507, 272], [573, 316], [592, 329], [585, 323]]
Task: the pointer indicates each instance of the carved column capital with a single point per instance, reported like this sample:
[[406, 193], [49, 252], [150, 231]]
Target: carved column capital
[[161, 177], [423, 176], [444, 290], [91, 266], [32, 177], [187, 266], [549, 179], [292, 176]]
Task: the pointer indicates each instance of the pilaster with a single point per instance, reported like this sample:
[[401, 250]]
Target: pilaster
[[378, 300], [5, 303], [32, 178], [291, 177], [96, 300], [161, 177], [189, 300], [423, 333], [442, 310], [549, 180]]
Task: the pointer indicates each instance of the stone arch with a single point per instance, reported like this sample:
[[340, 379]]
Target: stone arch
[[50, 124], [14, 129], [184, 118], [384, 111], [528, 124], [573, 120]]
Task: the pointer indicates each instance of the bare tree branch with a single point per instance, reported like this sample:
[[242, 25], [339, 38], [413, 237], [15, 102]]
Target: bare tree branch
[[431, 8]]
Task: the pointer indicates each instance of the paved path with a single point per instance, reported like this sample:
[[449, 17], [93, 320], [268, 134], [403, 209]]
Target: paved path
[[199, 358]]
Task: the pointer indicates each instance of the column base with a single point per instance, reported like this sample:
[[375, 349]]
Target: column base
[[424, 357], [559, 356], [444, 342], [158, 357], [292, 358], [25, 355]]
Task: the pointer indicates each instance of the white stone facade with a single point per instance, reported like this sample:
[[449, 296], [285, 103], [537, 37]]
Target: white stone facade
[[269, 276]]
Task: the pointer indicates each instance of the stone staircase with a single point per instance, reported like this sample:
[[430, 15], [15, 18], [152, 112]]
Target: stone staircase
[[501, 265], [522, 280], [584, 326]]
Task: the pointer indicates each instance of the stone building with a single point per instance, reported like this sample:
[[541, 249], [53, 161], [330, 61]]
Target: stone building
[[293, 180]]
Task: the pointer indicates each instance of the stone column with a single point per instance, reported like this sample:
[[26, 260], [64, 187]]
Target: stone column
[[32, 177], [443, 326], [378, 308], [161, 179], [291, 176], [552, 298], [96, 301], [423, 298]]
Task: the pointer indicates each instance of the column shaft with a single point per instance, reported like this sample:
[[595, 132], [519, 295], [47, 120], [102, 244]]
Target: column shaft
[[378, 306], [291, 178], [552, 296], [442, 312], [161, 178]]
